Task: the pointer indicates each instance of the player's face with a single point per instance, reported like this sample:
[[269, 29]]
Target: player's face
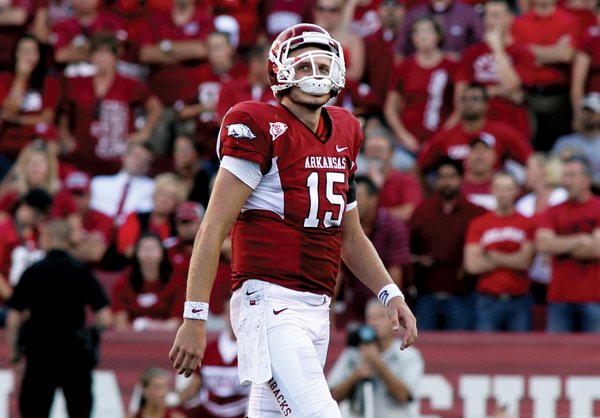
[[378, 148], [448, 182], [104, 60], [149, 251], [376, 317], [184, 154], [305, 69], [505, 191], [219, 52], [156, 391], [28, 51], [575, 181]]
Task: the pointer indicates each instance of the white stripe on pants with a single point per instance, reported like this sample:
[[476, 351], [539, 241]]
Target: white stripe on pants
[[298, 337]]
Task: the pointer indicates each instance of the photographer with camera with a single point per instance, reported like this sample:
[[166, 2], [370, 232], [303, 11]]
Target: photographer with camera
[[373, 374]]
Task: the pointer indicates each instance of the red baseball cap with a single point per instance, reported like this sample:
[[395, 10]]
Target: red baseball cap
[[78, 182], [190, 211]]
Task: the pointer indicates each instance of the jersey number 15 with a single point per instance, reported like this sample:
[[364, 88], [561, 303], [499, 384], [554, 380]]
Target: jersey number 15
[[312, 183]]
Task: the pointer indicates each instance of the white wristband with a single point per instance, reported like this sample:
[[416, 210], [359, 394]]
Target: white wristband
[[195, 310], [388, 292]]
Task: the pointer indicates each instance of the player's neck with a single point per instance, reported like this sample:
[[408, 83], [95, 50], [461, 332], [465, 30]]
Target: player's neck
[[309, 116], [507, 211]]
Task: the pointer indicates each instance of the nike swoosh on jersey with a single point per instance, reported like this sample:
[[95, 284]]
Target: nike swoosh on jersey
[[338, 149], [251, 293], [279, 311]]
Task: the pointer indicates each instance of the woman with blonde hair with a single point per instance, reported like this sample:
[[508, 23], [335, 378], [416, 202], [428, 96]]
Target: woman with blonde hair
[[153, 388], [169, 193], [37, 168]]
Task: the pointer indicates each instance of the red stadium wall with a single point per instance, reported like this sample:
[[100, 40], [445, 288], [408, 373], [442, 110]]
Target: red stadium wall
[[467, 375]]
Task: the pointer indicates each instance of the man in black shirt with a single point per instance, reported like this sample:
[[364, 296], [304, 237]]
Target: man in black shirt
[[46, 326]]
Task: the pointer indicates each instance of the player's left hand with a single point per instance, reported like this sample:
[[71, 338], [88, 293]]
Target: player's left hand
[[403, 321]]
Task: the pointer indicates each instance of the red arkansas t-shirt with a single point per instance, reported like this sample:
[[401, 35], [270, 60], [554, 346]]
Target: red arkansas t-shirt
[[101, 125], [573, 280], [506, 234], [479, 66], [426, 95]]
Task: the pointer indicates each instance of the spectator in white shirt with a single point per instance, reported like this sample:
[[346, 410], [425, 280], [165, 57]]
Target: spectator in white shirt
[[127, 191]]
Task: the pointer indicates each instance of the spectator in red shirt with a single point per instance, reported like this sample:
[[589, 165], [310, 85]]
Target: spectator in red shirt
[[454, 142], [173, 45], [169, 192], [254, 86], [400, 192], [328, 15], [96, 227], [551, 35], [585, 75], [479, 172], [71, 38], [570, 232], [148, 296], [499, 249], [28, 99], [200, 96], [47, 14], [99, 111], [380, 47], [420, 97], [461, 25], [437, 235], [502, 66], [14, 15], [389, 236]]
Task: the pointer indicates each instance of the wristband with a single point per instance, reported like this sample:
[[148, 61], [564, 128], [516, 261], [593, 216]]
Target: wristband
[[388, 292], [195, 310]]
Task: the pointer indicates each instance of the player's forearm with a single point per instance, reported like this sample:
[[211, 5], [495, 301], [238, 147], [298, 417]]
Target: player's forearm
[[71, 53], [507, 75], [588, 251], [204, 262], [345, 388], [187, 50], [552, 54], [361, 257]]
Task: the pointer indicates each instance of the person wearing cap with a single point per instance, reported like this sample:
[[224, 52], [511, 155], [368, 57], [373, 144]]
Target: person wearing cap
[[499, 248], [96, 226], [454, 142], [188, 218], [586, 140], [480, 167]]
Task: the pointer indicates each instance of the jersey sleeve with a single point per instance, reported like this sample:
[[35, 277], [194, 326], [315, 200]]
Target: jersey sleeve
[[241, 137]]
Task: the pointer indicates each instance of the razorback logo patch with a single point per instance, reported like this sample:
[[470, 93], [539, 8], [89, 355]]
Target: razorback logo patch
[[239, 130], [277, 129]]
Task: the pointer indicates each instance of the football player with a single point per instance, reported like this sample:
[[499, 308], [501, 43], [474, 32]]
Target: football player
[[286, 186]]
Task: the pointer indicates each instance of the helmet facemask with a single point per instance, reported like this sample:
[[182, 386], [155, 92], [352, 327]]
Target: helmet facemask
[[327, 66]]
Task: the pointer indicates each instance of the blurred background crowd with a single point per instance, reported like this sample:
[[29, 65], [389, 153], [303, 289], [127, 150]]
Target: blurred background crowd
[[477, 178]]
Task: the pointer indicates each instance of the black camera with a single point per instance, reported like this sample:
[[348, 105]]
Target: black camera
[[364, 334]]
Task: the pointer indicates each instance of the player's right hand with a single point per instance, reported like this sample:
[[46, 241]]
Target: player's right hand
[[188, 348]]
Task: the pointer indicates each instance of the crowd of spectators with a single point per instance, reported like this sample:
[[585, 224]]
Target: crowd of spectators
[[109, 113]]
